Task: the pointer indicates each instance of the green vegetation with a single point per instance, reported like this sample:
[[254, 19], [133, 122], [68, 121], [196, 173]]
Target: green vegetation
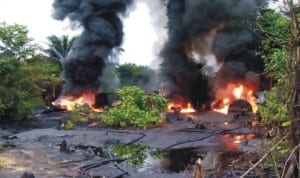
[[59, 47], [22, 85], [24, 75], [135, 154], [80, 114], [15, 41], [68, 125], [18, 94], [275, 110], [131, 74], [135, 108], [1, 163], [275, 29], [45, 73]]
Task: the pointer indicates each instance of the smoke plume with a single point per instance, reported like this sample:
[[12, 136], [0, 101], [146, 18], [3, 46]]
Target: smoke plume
[[204, 36], [203, 30], [159, 20], [102, 32]]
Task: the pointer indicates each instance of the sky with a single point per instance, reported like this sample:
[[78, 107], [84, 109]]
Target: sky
[[139, 37], [36, 15], [140, 34], [144, 34]]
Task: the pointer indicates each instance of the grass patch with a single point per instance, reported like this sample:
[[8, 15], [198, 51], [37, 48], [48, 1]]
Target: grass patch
[[1, 163], [7, 161]]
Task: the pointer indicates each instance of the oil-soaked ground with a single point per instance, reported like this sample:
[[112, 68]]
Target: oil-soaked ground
[[42, 148]]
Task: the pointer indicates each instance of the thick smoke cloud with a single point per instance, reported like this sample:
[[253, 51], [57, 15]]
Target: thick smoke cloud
[[199, 31], [159, 20], [102, 31], [236, 48], [199, 28]]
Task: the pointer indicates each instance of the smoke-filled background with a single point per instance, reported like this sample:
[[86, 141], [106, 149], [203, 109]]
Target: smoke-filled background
[[102, 32], [209, 37], [113, 31], [145, 33], [207, 44]]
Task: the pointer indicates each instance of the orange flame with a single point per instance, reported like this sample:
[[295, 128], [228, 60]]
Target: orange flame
[[70, 102], [238, 139], [233, 141], [231, 93], [182, 106]]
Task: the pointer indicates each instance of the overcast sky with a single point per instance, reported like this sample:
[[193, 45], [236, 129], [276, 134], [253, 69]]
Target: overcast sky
[[36, 15]]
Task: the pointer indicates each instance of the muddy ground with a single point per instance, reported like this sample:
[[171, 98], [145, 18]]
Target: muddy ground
[[44, 149]]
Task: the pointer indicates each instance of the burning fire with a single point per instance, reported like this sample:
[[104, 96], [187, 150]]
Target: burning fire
[[182, 107], [231, 93], [70, 102], [178, 104], [233, 141]]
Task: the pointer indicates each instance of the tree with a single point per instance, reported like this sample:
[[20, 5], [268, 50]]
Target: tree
[[45, 73], [284, 59], [275, 30], [24, 75], [18, 92], [26, 85], [131, 74], [60, 47], [294, 55], [14, 41]]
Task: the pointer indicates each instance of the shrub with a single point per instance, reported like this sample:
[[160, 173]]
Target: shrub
[[135, 108], [18, 93], [80, 114], [22, 85], [275, 109], [45, 73], [23, 74]]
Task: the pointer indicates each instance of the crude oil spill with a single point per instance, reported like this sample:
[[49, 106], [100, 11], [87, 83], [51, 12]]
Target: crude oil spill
[[146, 159]]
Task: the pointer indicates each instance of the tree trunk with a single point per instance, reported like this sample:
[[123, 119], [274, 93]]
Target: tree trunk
[[295, 71], [295, 85]]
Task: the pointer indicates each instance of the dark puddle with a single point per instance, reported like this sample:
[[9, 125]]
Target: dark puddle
[[144, 158], [5, 147], [6, 143], [147, 159]]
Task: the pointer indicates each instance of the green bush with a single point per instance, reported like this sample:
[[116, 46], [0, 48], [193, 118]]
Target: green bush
[[24, 75], [275, 28], [135, 108], [274, 110], [133, 75], [45, 73], [135, 154], [80, 114], [22, 84], [18, 93]]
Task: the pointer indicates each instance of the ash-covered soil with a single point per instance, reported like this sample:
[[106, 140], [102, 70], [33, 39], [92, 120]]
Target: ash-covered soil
[[42, 148]]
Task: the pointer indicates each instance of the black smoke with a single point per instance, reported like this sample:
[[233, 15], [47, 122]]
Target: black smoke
[[236, 47], [204, 27], [102, 31]]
